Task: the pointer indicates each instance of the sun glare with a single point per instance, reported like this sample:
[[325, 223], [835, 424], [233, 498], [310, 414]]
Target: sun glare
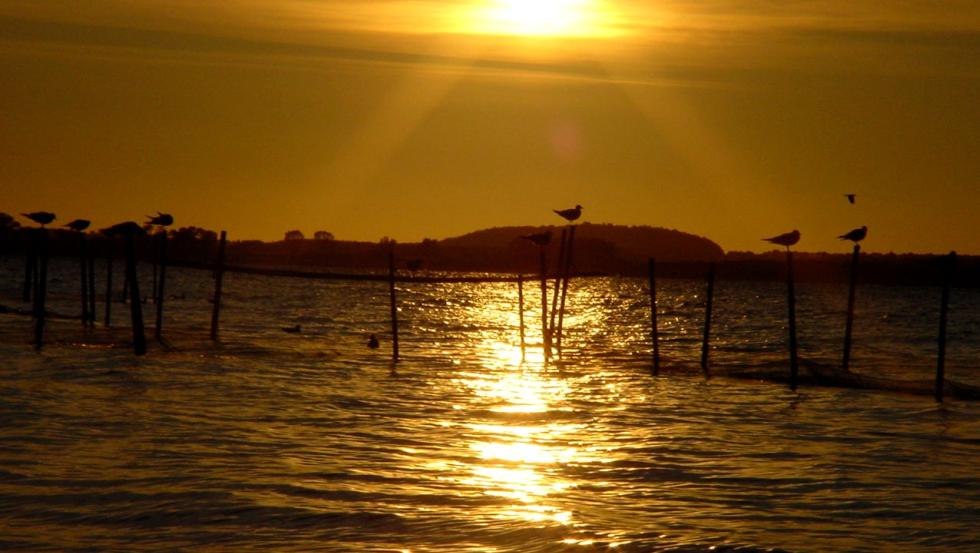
[[541, 18]]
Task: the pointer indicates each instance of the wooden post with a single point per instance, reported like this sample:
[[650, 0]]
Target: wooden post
[[153, 261], [545, 334], [558, 280], [791, 303], [108, 285], [520, 307], [91, 287], [135, 305], [394, 304], [566, 276], [40, 288], [162, 283], [654, 335], [30, 264], [125, 292], [849, 325], [83, 277], [707, 320], [219, 273], [949, 267]]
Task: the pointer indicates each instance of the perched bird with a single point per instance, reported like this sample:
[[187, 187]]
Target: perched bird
[[850, 197], [122, 229], [570, 214], [162, 219], [295, 329], [855, 235], [541, 238], [40, 217], [787, 239], [79, 224], [373, 342]]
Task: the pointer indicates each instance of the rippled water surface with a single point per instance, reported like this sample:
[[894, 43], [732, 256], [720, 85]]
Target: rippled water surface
[[274, 441]]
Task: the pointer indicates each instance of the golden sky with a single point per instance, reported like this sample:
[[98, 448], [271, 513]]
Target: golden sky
[[733, 119]]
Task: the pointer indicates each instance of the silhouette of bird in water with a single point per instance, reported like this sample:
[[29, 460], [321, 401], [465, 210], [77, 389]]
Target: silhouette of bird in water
[[540, 238], [79, 224], [373, 342], [850, 197], [122, 229], [295, 329], [570, 214], [162, 219], [40, 217], [786, 239], [855, 235]]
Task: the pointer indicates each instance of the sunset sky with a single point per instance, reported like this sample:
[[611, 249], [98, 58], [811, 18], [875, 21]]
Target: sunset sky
[[732, 119]]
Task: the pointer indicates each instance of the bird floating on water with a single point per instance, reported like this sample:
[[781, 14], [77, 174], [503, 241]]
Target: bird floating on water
[[127, 228], [855, 235], [79, 224], [540, 238], [570, 214], [162, 219], [850, 197], [40, 217], [786, 239], [373, 342]]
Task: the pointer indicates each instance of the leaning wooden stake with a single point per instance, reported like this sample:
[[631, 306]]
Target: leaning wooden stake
[[135, 305], [394, 305], [705, 343], [545, 334], [849, 325], [654, 333], [83, 276], [219, 274], [566, 276], [40, 288], [950, 266], [520, 311], [791, 303], [108, 286], [162, 284], [559, 278]]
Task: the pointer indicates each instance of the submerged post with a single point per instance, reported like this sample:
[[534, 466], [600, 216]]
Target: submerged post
[[108, 285], [707, 320], [949, 267], [654, 336], [135, 305], [162, 283], [40, 288], [849, 325], [394, 304], [566, 276], [791, 303], [83, 276], [545, 334], [520, 311], [219, 273]]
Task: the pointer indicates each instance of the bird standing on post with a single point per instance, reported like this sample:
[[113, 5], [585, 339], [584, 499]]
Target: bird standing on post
[[787, 239], [79, 224], [855, 235], [40, 217], [569, 214]]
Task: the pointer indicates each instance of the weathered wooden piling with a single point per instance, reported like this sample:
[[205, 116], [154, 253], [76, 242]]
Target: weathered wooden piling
[[394, 305], [566, 276], [219, 274], [520, 311], [654, 332], [791, 304], [125, 291], [107, 318], [849, 325], [83, 276], [135, 305], [40, 288], [153, 261], [949, 266], [162, 284], [545, 334], [558, 280], [91, 287], [705, 343], [30, 265]]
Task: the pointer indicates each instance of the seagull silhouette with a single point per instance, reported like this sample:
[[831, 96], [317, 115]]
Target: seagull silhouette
[[121, 229], [855, 235], [787, 239], [79, 224], [850, 197], [570, 214], [541, 238], [162, 219], [40, 217]]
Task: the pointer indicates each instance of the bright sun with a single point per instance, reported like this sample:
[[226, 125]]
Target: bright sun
[[538, 18]]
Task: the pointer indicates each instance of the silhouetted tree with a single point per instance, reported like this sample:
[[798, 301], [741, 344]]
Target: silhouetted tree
[[322, 235], [294, 235]]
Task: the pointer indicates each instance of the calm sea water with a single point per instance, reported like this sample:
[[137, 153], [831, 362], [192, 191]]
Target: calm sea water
[[272, 441]]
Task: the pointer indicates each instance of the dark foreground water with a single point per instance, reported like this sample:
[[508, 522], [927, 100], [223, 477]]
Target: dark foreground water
[[272, 441]]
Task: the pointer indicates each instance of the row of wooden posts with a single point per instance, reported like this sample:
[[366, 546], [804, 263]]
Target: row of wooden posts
[[551, 327]]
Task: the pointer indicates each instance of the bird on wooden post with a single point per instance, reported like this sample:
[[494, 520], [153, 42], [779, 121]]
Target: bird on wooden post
[[855, 235], [786, 239], [569, 214], [40, 217], [79, 224]]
